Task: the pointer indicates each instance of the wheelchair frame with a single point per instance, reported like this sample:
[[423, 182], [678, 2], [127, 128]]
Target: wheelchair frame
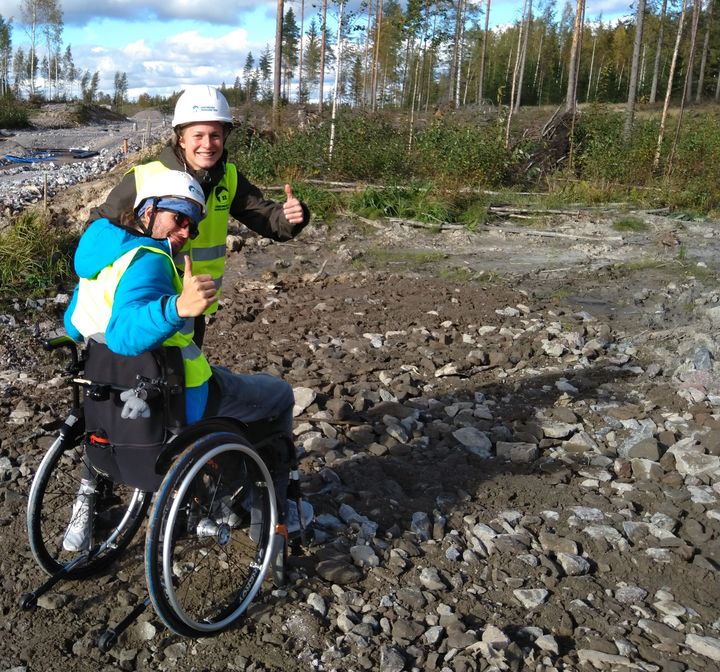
[[212, 533]]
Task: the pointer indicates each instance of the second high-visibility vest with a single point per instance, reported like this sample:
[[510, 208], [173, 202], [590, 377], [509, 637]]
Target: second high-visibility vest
[[207, 251], [94, 308]]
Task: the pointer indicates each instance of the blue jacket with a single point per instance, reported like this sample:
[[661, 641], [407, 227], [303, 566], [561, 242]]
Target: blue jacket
[[144, 309]]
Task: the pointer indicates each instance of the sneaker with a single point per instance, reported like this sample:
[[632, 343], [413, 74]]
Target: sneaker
[[79, 532], [292, 519]]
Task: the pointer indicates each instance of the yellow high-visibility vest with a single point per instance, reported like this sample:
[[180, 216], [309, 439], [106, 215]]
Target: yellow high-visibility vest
[[207, 251], [94, 304]]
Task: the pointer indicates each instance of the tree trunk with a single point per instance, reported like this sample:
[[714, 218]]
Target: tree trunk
[[366, 92], [412, 102], [574, 64], [277, 79], [592, 65], [376, 57], [516, 71], [523, 55], [632, 92], [323, 47], [703, 57], [459, 50], [483, 52], [666, 105], [658, 51], [302, 31], [691, 54], [338, 65]]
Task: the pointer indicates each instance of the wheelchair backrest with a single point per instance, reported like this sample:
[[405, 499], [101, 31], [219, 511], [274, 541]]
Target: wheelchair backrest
[[127, 449]]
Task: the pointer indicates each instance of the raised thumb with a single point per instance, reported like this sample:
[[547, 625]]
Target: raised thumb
[[288, 192], [188, 266]]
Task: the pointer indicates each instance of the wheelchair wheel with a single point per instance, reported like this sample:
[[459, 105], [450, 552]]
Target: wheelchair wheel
[[118, 510], [209, 538]]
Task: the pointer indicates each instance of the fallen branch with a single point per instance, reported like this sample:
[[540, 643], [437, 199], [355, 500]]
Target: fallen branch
[[441, 226], [320, 272], [549, 234], [518, 212]]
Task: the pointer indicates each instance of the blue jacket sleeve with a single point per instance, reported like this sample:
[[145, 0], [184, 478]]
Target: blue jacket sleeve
[[144, 310], [67, 319]]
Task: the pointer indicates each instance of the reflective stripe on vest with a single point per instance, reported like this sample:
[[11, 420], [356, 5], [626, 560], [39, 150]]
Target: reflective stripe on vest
[[208, 250], [94, 308]]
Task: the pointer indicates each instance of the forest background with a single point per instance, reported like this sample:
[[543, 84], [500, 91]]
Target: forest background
[[420, 111]]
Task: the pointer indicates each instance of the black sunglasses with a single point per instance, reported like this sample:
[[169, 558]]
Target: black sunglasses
[[183, 221]]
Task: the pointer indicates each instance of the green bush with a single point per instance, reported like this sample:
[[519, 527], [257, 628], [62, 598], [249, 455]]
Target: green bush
[[462, 154], [13, 114], [601, 153], [35, 256]]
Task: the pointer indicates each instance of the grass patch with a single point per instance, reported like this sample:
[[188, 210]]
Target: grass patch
[[35, 256], [562, 293], [381, 257], [413, 203], [630, 225], [639, 265], [460, 274]]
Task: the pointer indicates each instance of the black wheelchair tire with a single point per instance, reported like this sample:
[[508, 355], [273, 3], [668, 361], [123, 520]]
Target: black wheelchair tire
[[52, 492], [178, 556]]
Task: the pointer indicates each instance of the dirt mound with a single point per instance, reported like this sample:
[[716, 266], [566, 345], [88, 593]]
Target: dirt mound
[[73, 115]]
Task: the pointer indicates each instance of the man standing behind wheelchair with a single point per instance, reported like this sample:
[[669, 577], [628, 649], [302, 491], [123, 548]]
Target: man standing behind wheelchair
[[131, 297], [202, 122]]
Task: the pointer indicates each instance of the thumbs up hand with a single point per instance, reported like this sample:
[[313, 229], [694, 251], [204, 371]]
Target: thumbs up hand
[[197, 294], [291, 208]]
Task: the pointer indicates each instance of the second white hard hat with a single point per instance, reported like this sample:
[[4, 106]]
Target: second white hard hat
[[171, 184]]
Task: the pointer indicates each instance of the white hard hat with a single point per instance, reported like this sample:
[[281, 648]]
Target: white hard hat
[[169, 189], [201, 103]]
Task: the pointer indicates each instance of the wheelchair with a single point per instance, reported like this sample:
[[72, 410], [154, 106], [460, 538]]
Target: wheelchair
[[206, 490]]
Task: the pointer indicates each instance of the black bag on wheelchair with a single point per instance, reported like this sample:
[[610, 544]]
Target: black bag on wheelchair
[[127, 449]]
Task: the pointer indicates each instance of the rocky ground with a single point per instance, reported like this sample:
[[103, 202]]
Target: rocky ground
[[40, 163], [512, 446]]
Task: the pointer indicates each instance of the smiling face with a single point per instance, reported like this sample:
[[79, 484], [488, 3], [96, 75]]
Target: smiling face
[[171, 225], [202, 144]]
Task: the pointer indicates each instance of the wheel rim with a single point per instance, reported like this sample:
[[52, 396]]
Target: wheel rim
[[210, 576]]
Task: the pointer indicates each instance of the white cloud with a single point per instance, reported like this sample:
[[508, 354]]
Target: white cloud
[[81, 12], [169, 64], [192, 42]]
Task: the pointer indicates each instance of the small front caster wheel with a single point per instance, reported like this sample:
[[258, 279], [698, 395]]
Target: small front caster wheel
[[28, 601], [107, 640]]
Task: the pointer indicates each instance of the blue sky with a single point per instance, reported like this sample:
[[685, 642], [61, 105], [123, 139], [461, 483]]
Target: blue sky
[[164, 45]]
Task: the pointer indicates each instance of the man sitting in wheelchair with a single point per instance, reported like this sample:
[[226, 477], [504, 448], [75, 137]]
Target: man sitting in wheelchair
[[132, 298]]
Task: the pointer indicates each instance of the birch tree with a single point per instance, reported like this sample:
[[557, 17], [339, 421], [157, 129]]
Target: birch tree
[[523, 53], [5, 55], [38, 15], [691, 51], [668, 91], [658, 52], [574, 62], [483, 53], [300, 66], [323, 49], [637, 46], [277, 80], [511, 106], [338, 65], [704, 55]]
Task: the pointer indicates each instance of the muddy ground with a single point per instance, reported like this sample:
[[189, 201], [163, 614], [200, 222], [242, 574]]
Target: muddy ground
[[491, 448]]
